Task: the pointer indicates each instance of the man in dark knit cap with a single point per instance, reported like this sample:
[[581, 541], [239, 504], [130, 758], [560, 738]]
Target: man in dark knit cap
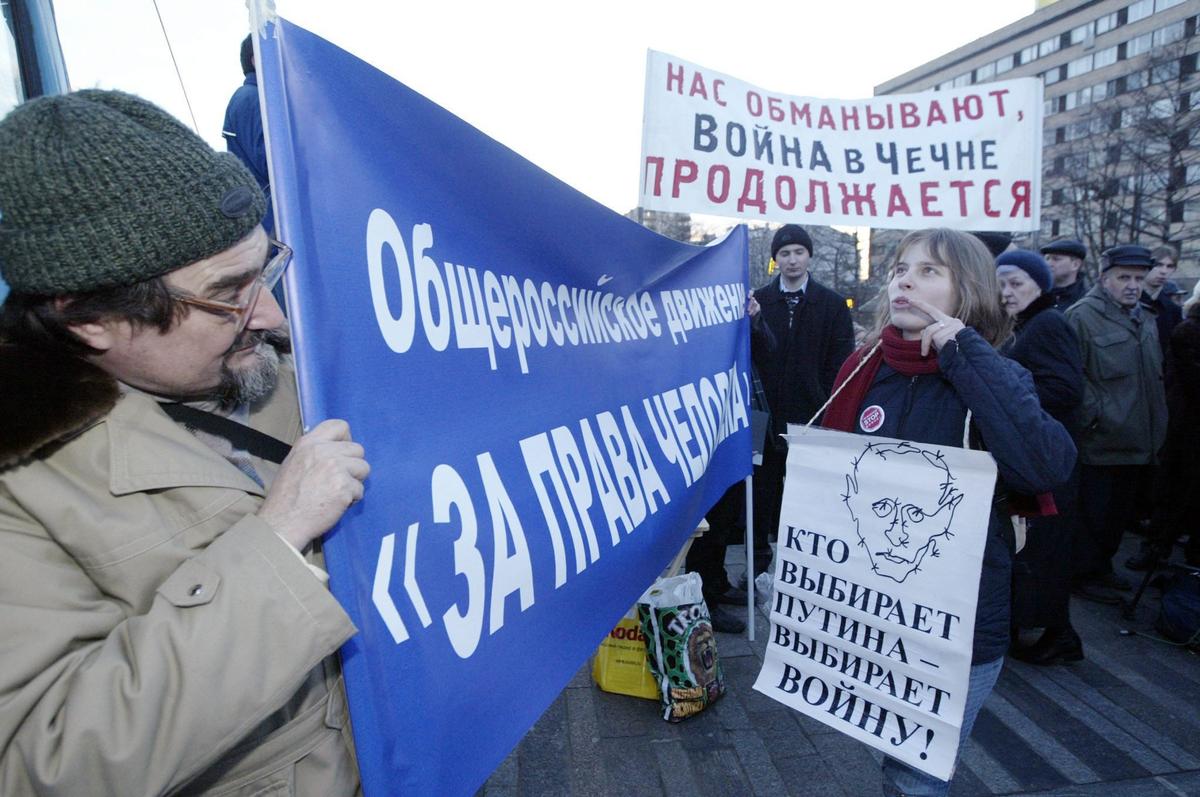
[[1066, 257], [165, 620], [1122, 420], [806, 336]]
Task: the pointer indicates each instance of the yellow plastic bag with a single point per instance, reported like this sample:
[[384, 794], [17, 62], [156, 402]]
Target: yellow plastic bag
[[620, 663]]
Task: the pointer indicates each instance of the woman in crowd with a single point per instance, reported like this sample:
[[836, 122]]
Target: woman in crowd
[[931, 365], [1046, 346]]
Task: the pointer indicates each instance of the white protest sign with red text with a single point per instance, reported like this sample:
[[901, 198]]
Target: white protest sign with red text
[[967, 158], [876, 583]]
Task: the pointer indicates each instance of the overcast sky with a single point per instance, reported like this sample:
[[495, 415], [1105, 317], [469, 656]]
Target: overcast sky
[[559, 82]]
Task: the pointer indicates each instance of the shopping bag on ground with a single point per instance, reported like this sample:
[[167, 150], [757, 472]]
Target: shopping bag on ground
[[681, 646], [620, 664]]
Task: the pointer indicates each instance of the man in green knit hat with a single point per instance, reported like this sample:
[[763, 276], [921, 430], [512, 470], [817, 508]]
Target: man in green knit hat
[[166, 626]]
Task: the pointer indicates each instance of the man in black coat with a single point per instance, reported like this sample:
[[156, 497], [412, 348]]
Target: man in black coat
[[806, 336], [1065, 258]]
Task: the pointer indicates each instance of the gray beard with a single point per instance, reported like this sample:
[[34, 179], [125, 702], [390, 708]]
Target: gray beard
[[256, 380]]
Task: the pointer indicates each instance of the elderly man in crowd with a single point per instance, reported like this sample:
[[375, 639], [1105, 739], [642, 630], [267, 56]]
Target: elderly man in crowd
[[165, 623], [1123, 416]]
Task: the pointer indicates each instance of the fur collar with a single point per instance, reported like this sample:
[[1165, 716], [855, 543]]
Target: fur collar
[[47, 397]]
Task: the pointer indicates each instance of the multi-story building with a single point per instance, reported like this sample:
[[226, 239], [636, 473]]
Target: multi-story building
[[1121, 156]]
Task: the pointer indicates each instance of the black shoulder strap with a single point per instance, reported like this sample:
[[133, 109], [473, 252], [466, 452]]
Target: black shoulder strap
[[260, 444]]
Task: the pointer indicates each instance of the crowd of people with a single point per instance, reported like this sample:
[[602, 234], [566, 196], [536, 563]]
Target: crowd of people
[[1085, 395], [141, 330]]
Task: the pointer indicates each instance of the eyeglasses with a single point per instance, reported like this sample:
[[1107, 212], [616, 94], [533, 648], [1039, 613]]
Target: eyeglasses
[[278, 258]]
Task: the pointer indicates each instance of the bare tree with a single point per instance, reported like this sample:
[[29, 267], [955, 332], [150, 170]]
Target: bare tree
[[1118, 172]]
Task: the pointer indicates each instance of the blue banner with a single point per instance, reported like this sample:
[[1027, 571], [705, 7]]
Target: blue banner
[[550, 397]]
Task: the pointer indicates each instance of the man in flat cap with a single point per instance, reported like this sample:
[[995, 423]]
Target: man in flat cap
[[807, 335], [1123, 417], [1066, 257], [166, 627]]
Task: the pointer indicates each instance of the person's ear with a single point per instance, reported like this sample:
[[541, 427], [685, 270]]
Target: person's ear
[[100, 335]]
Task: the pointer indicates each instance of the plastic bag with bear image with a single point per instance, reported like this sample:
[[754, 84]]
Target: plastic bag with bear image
[[681, 646]]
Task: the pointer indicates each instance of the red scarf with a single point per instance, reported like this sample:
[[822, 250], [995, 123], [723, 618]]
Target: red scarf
[[904, 356]]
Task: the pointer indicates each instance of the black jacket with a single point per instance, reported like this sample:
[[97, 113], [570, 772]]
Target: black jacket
[[1033, 452], [1065, 297], [1046, 346], [1183, 393], [1167, 316], [798, 373]]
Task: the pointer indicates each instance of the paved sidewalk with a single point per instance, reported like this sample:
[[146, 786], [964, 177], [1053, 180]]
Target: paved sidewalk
[[1126, 721]]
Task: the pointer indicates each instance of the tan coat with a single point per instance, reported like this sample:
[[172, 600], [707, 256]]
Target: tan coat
[[156, 637]]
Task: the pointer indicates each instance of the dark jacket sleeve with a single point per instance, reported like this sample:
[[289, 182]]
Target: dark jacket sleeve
[[1185, 354], [1050, 352], [841, 344], [1034, 453], [762, 339]]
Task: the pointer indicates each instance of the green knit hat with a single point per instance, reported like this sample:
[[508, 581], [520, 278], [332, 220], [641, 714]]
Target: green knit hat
[[101, 188]]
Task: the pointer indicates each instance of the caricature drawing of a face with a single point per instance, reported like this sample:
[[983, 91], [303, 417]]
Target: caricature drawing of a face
[[900, 523]]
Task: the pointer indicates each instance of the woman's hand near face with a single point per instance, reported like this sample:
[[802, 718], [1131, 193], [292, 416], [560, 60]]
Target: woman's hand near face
[[941, 331]]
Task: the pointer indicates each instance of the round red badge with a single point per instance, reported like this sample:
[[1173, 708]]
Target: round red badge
[[871, 418]]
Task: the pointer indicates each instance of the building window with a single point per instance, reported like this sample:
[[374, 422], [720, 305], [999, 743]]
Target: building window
[[1187, 64], [1162, 109], [1077, 35], [1139, 10], [1161, 73], [1112, 155], [1047, 47], [1028, 55], [985, 72], [1079, 66], [1004, 64], [1099, 92], [1175, 212], [1138, 45], [1135, 80], [961, 80], [1169, 34], [1163, 5], [1105, 57], [1078, 130], [1076, 164], [1054, 229]]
